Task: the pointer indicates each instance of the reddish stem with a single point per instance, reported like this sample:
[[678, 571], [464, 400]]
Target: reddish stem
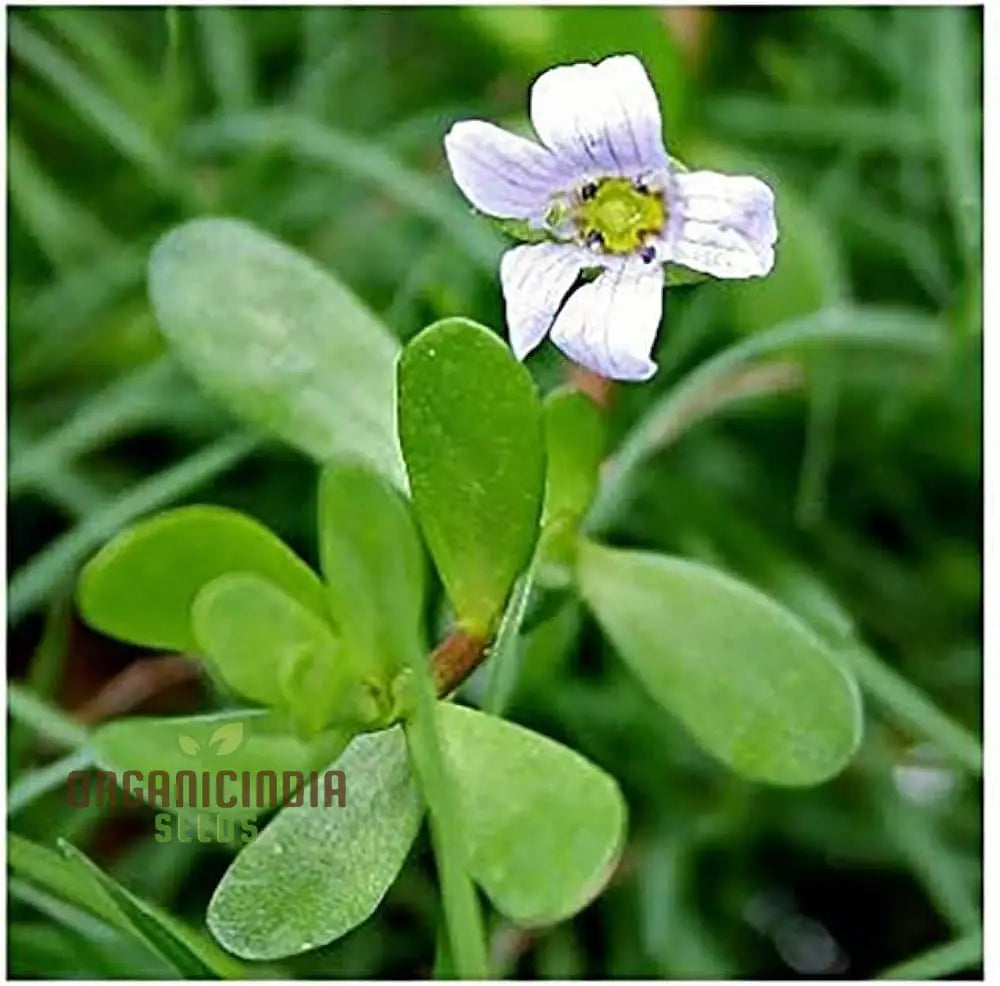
[[455, 658]]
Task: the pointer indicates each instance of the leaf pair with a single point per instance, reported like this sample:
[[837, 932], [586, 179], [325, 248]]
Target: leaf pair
[[543, 828], [755, 688], [287, 347], [215, 582]]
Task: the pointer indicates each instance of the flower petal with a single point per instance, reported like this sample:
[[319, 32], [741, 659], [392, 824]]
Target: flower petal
[[535, 280], [604, 118], [610, 325], [500, 173], [722, 225]]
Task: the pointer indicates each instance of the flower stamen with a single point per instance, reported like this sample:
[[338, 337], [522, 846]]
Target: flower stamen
[[618, 215]]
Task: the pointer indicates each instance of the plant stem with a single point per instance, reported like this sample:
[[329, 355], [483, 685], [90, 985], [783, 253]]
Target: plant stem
[[455, 658], [466, 937]]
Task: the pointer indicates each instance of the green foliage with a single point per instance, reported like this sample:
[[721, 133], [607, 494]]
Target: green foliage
[[71, 877], [753, 685], [816, 433], [556, 35], [477, 478], [279, 340], [575, 437], [373, 564], [574, 446], [269, 648], [317, 872], [252, 741], [142, 584], [544, 826]]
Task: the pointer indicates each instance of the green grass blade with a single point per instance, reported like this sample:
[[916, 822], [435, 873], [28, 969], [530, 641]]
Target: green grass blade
[[504, 654], [97, 40], [124, 133], [126, 403], [313, 143], [64, 230], [942, 961], [56, 561], [460, 904], [227, 56], [865, 129], [954, 110], [913, 711], [32, 784], [907, 332], [42, 718]]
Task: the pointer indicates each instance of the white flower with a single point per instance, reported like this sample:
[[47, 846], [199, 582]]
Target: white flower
[[601, 186]]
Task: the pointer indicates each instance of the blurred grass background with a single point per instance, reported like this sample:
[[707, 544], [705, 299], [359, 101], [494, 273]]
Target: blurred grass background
[[849, 482]]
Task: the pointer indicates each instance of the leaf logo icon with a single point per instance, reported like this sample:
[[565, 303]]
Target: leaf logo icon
[[228, 738], [189, 745]]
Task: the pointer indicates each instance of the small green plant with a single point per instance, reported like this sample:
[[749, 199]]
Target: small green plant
[[445, 449]]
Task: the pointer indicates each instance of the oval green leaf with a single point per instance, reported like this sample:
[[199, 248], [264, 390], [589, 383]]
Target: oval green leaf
[[544, 827], [269, 648], [373, 564], [279, 340], [315, 873], [141, 585], [471, 433], [753, 685], [249, 740]]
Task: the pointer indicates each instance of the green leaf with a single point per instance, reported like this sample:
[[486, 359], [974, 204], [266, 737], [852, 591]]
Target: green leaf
[[374, 567], [315, 873], [251, 741], [71, 877], [279, 340], [574, 443], [470, 429], [544, 826], [754, 686], [141, 585], [269, 648]]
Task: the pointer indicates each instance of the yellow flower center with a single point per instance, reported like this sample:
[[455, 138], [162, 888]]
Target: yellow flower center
[[618, 215]]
